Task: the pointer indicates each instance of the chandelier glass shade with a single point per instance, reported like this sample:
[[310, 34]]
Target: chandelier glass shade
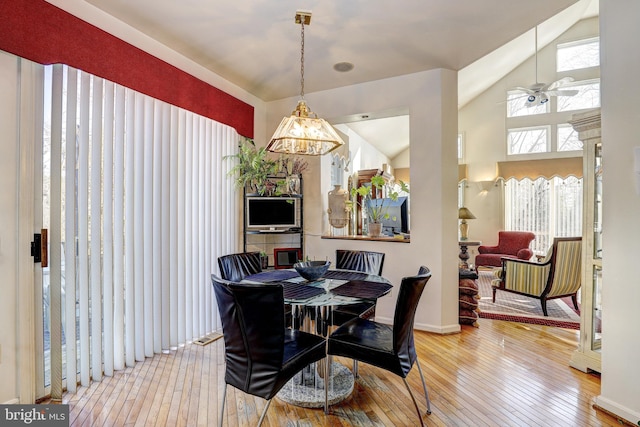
[[304, 132]]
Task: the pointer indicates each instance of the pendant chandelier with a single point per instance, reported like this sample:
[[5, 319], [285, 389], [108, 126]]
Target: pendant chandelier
[[304, 132]]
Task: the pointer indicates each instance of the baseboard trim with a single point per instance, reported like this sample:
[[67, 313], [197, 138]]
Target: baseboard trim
[[614, 409], [442, 330]]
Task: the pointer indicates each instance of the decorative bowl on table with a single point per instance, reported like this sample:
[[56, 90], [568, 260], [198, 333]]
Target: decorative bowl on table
[[312, 270]]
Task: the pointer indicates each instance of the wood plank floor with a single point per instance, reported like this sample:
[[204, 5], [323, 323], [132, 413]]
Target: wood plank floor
[[499, 374]]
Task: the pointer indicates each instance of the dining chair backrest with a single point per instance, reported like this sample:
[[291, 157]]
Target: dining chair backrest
[[411, 289], [365, 261], [235, 267], [252, 318]]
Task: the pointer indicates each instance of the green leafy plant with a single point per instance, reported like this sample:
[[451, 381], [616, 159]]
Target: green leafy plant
[[378, 211], [253, 167]]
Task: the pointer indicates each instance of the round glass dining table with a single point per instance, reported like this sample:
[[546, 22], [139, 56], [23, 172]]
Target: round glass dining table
[[312, 305]]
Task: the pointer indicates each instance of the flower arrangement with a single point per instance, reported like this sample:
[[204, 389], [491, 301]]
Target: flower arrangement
[[289, 165], [253, 167], [255, 170], [378, 211]]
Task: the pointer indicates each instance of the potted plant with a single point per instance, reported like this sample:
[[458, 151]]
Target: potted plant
[[379, 210], [264, 260], [253, 167]]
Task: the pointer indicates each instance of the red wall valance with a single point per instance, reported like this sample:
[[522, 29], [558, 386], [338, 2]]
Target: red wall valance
[[43, 33]]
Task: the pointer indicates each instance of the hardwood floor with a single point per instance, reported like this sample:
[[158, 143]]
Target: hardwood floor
[[500, 374]]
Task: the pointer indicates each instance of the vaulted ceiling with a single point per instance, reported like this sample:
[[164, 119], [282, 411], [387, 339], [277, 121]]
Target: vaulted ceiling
[[255, 44]]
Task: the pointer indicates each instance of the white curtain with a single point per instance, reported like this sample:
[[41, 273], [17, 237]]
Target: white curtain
[[139, 193]]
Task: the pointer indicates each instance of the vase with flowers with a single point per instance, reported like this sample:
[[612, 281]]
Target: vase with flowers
[[377, 208]]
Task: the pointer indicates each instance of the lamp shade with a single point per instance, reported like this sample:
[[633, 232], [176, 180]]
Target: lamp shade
[[302, 134], [464, 213]]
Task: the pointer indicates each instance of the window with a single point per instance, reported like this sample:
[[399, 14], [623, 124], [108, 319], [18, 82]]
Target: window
[[528, 140], [516, 105], [547, 207], [542, 129], [579, 54], [568, 138], [588, 96]]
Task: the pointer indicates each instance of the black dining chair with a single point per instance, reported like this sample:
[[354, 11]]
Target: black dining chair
[[261, 355], [235, 267], [387, 347], [365, 262]]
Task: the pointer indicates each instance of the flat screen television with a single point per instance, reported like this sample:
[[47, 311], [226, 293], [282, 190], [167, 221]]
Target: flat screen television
[[398, 221], [272, 213]]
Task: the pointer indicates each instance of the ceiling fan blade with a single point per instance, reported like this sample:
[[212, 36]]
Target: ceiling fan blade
[[524, 95], [525, 90], [514, 98], [568, 92], [563, 81]]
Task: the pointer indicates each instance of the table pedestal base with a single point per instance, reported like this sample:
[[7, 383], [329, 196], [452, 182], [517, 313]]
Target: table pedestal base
[[310, 392]]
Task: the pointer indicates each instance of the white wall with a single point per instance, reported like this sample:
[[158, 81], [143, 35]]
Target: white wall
[[431, 99], [620, 391]]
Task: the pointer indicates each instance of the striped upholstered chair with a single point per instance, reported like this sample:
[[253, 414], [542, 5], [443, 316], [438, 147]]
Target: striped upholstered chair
[[557, 276]]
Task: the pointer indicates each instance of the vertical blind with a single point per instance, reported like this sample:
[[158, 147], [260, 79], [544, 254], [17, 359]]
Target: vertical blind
[[547, 207], [141, 207]]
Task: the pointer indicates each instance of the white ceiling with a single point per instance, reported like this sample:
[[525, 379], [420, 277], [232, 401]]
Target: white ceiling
[[255, 44]]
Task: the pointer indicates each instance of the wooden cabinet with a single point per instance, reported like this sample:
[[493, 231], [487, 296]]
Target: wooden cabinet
[[587, 357]]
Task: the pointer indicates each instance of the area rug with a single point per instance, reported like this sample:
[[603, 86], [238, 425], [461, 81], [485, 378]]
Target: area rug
[[519, 308]]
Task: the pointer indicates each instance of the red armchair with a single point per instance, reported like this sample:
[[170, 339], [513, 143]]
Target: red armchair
[[511, 244]]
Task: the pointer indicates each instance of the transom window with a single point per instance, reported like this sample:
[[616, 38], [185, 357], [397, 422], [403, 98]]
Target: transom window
[[528, 140], [568, 139], [578, 54], [588, 96]]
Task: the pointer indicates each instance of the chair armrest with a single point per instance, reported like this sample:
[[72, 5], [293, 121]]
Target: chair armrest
[[525, 254], [483, 249], [526, 277]]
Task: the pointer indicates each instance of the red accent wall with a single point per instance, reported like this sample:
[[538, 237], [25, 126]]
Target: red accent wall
[[43, 33]]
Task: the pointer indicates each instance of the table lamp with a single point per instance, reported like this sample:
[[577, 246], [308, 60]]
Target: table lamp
[[464, 214]]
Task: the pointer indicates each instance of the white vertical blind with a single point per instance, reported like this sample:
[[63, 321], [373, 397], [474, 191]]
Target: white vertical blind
[[55, 235], [70, 227], [83, 230], [107, 174], [118, 231], [547, 207], [95, 254], [129, 238], [150, 211]]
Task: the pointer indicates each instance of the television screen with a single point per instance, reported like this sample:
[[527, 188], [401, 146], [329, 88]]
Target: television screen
[[398, 221], [265, 213]]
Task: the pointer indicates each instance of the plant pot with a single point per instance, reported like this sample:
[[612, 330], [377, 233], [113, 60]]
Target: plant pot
[[264, 261], [375, 229]]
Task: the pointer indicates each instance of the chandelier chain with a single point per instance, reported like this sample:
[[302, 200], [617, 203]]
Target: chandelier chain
[[302, 59]]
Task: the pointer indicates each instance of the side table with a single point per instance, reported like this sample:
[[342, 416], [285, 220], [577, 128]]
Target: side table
[[464, 254]]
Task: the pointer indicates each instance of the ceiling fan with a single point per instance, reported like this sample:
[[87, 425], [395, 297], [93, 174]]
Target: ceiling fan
[[539, 93]]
